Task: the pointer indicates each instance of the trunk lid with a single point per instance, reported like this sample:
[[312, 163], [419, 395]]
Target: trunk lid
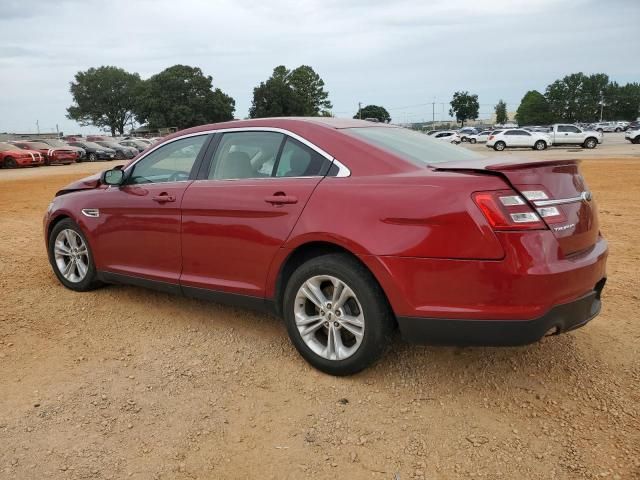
[[560, 181]]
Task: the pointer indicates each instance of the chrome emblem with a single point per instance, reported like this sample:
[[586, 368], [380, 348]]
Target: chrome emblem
[[585, 196], [564, 227]]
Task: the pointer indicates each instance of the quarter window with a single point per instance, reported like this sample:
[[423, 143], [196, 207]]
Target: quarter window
[[170, 163], [297, 160]]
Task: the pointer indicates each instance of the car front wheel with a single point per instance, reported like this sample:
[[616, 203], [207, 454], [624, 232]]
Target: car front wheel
[[540, 145], [92, 157], [71, 257], [590, 143], [336, 314]]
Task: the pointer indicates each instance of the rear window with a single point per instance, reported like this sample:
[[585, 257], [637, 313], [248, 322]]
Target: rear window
[[416, 147]]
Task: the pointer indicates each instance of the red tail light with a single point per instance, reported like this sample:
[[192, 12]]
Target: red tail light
[[491, 137], [506, 210]]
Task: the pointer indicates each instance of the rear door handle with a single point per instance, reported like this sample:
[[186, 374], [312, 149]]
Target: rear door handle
[[164, 198], [281, 199]]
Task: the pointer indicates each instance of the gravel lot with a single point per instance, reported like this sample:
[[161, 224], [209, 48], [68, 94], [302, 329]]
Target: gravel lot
[[129, 383]]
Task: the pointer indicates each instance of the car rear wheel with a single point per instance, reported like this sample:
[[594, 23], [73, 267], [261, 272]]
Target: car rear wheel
[[473, 140], [92, 157], [10, 163], [119, 155], [636, 140], [618, 129], [336, 314], [71, 257], [590, 143], [540, 145], [499, 146]]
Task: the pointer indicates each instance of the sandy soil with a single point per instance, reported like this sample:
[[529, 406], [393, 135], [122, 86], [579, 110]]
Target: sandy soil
[[128, 383]]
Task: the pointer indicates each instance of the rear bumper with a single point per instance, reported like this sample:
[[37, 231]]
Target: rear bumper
[[559, 319]]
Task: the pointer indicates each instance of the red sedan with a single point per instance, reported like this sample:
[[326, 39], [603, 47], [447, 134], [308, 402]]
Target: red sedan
[[63, 156], [347, 229], [12, 156]]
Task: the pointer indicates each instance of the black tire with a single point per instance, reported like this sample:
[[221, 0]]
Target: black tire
[[473, 140], [10, 162], [464, 139], [540, 145], [618, 129], [90, 281], [499, 146], [92, 157], [600, 130], [119, 155], [590, 143], [636, 140], [378, 318]]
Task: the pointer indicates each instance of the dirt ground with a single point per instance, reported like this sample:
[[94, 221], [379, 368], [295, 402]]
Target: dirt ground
[[129, 383]]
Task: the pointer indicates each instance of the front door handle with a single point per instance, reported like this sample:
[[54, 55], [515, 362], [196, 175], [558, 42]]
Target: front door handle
[[281, 199], [164, 198]]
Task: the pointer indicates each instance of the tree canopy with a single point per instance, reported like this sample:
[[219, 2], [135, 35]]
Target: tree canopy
[[104, 97], [533, 109], [501, 112], [182, 96], [374, 111], [298, 92], [464, 106]]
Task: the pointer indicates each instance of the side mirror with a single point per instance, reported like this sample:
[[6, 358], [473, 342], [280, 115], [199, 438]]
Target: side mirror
[[112, 177]]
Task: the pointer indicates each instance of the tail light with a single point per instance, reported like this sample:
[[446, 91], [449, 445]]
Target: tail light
[[491, 137], [507, 210]]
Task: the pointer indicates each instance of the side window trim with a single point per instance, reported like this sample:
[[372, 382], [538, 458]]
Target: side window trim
[[196, 164]]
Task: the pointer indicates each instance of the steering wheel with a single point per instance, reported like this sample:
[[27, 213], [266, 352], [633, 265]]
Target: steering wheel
[[178, 176]]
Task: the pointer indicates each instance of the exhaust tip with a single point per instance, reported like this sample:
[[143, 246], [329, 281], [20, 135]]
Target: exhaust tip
[[552, 331]]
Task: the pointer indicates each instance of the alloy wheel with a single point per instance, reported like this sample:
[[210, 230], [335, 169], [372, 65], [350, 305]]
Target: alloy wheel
[[71, 255], [329, 317]]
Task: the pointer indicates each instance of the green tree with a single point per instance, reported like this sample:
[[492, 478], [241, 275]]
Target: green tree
[[576, 97], [501, 112], [182, 96], [374, 111], [104, 97], [533, 109], [464, 107], [298, 92], [621, 102]]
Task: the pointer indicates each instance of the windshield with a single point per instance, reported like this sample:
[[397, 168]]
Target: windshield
[[109, 144], [57, 143], [37, 145], [416, 147], [92, 145]]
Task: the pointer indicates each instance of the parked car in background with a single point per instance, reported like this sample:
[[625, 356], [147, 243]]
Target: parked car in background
[[95, 151], [522, 237], [95, 138], [566, 134], [606, 127], [518, 138], [479, 137], [635, 125], [465, 132], [633, 135], [122, 152], [61, 156], [138, 145], [450, 136], [12, 156], [55, 143]]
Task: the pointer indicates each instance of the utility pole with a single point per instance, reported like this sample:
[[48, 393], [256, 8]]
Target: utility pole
[[360, 110], [601, 105], [38, 126], [433, 112]]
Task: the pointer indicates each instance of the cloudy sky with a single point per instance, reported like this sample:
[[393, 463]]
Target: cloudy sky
[[401, 54]]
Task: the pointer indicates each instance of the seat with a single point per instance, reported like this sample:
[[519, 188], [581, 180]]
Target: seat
[[298, 164], [237, 165]]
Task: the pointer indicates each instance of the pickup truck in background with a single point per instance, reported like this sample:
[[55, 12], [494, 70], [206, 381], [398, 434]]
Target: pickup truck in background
[[565, 134]]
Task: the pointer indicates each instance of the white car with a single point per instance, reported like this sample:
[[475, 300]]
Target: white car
[[450, 136], [518, 138], [607, 127], [481, 137], [633, 136]]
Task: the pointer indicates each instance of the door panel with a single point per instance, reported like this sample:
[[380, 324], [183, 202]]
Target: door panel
[[139, 233], [232, 229]]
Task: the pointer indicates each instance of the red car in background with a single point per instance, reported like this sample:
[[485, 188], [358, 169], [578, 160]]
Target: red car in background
[[12, 156], [345, 228], [63, 156]]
